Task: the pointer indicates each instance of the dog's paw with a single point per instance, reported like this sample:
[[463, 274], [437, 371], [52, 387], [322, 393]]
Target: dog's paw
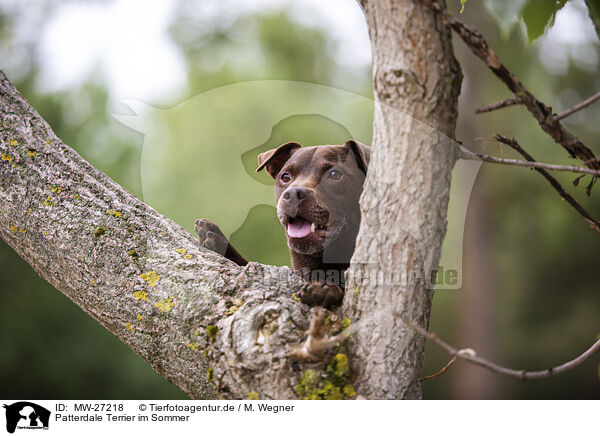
[[321, 294], [210, 236]]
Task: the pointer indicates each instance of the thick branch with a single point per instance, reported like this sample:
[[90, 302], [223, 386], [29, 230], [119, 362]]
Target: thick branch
[[205, 324]]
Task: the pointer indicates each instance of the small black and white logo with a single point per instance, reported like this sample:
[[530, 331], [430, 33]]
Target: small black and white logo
[[26, 415]]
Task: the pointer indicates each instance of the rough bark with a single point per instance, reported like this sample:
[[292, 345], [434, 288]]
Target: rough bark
[[404, 204], [205, 324]]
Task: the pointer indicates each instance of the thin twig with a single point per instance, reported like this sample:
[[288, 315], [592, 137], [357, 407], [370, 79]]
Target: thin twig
[[576, 108], [470, 155], [470, 356], [441, 371], [542, 113], [499, 105], [593, 222]]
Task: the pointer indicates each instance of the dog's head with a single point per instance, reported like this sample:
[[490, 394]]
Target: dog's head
[[317, 191]]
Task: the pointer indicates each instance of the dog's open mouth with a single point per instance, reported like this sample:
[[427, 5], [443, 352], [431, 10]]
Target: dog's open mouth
[[300, 228]]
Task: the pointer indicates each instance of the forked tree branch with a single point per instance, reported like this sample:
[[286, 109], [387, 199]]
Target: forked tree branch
[[470, 356], [471, 155], [593, 222], [542, 113]]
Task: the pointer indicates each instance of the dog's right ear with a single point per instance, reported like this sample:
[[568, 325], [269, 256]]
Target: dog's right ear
[[274, 159], [362, 153]]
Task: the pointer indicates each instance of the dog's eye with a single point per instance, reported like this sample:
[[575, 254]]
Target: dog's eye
[[285, 177], [335, 174]]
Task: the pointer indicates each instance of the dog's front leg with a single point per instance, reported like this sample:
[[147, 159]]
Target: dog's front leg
[[210, 236]]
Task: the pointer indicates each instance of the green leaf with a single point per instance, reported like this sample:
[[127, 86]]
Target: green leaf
[[539, 15], [594, 12], [462, 5]]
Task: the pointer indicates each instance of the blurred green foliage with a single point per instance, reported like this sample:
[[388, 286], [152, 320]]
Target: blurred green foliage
[[546, 299]]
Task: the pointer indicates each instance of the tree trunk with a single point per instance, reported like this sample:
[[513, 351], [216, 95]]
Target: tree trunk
[[207, 325], [404, 203]]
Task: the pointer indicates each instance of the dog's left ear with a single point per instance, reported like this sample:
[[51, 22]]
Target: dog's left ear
[[362, 153], [274, 159]]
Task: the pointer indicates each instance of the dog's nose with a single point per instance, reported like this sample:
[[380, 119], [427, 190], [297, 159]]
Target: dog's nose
[[292, 197]]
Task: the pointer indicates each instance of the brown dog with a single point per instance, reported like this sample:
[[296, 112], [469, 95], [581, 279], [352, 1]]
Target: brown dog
[[317, 191]]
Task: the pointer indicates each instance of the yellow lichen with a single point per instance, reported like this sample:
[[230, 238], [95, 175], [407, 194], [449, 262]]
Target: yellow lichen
[[48, 202], [331, 384], [356, 291], [346, 323], [295, 297], [7, 157], [253, 396], [193, 346], [28, 212], [349, 391], [165, 305], [140, 295], [56, 189], [183, 252], [22, 230], [338, 366], [94, 284], [14, 229], [30, 153], [114, 213], [211, 332], [139, 318], [129, 326], [13, 142], [151, 277]]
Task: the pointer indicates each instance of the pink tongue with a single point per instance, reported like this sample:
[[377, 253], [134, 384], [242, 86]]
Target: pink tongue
[[299, 228]]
